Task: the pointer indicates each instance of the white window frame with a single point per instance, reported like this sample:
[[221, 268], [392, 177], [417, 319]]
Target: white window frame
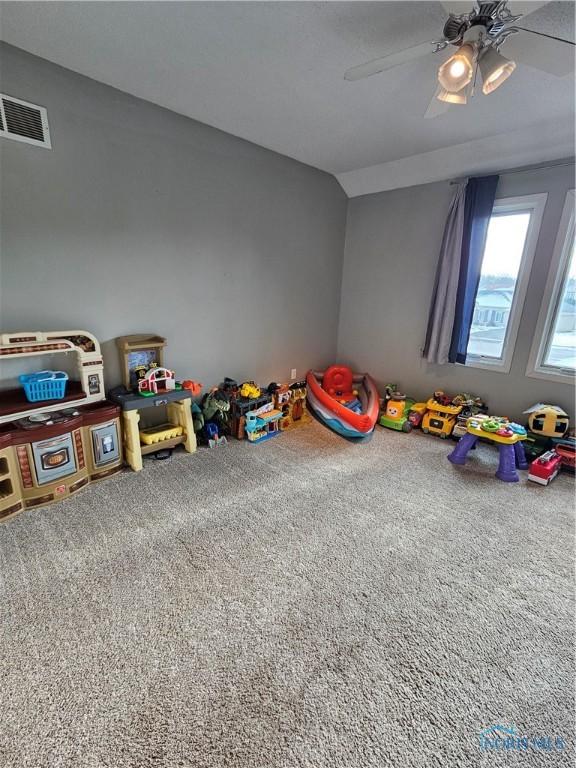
[[554, 284], [534, 204]]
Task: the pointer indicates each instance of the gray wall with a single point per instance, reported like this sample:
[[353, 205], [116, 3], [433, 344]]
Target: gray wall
[[140, 219], [392, 244]]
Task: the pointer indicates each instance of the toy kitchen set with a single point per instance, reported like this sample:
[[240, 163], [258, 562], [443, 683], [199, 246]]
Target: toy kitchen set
[[56, 435]]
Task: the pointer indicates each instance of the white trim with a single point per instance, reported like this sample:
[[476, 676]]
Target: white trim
[[535, 205], [554, 284], [492, 154]]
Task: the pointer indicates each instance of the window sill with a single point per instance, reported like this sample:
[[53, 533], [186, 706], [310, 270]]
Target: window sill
[[486, 364], [549, 374]]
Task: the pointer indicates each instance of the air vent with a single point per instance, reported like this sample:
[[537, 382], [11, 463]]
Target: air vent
[[22, 121]]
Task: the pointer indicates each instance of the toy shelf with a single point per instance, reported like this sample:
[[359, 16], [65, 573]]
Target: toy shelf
[[13, 401], [172, 442]]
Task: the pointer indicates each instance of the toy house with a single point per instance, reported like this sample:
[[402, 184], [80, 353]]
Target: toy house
[[262, 424], [157, 380], [291, 401]]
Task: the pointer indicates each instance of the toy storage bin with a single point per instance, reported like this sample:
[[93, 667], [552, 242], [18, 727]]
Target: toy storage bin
[[44, 385]]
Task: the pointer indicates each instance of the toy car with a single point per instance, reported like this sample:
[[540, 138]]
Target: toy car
[[544, 469], [440, 416], [395, 412], [249, 389]]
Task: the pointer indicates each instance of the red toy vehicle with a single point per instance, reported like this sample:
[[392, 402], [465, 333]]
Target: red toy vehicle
[[545, 468]]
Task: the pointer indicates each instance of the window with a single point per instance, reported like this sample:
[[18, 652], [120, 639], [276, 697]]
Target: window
[[508, 253], [553, 354]]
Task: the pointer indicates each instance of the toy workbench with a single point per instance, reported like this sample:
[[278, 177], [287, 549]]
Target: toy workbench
[[178, 431]]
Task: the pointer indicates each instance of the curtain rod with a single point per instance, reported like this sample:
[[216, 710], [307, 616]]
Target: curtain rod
[[525, 170]]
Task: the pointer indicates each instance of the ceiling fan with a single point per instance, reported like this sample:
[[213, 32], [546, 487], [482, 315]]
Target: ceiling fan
[[478, 36]]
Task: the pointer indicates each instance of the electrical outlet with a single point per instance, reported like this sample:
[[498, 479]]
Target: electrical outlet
[[293, 373]]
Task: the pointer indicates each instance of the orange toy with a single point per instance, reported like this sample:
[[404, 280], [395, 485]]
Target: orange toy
[[192, 386]]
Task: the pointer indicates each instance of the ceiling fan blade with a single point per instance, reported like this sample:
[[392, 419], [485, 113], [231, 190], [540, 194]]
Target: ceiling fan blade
[[516, 7], [541, 52], [387, 62]]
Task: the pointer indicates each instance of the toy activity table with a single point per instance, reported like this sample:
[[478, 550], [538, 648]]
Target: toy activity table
[[509, 441]]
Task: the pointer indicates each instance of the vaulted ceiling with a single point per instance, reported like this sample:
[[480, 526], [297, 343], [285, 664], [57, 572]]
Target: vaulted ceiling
[[272, 72]]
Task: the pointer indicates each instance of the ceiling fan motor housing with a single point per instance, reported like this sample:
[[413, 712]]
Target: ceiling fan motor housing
[[489, 15]]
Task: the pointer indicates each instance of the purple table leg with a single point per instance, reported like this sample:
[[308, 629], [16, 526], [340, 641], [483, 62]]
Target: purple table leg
[[466, 442], [507, 466], [521, 461]]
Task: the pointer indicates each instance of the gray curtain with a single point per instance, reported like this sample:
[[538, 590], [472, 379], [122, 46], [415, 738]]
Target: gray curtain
[[442, 308]]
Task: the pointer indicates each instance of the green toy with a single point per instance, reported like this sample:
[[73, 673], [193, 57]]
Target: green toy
[[395, 410], [215, 408]]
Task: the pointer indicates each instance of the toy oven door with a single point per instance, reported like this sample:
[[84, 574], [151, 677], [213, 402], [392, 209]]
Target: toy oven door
[[54, 458], [105, 443]]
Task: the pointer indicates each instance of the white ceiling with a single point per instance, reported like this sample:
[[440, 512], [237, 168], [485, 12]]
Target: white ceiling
[[272, 72]]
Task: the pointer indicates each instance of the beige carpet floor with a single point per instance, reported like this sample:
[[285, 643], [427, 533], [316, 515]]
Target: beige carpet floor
[[306, 603]]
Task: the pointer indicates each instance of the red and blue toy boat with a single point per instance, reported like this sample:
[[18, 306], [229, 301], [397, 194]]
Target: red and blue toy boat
[[346, 402]]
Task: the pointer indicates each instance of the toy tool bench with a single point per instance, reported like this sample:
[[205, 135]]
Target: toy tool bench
[[139, 442], [148, 384]]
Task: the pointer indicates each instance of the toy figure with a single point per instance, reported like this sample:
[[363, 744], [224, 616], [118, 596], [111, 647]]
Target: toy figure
[[215, 407], [214, 438]]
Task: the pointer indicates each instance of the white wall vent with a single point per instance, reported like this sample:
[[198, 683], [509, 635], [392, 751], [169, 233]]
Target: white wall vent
[[22, 121]]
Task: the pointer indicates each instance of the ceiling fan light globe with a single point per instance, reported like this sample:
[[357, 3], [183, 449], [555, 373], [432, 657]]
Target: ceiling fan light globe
[[495, 69], [451, 98], [455, 73]]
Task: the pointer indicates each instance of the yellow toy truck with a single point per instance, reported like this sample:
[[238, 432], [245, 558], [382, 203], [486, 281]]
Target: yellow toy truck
[[440, 416]]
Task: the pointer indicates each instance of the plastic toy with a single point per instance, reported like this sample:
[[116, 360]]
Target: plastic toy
[[565, 447], [192, 386], [291, 400], [547, 420], [139, 352], [328, 393], [249, 389], [156, 380], [545, 423], [499, 431], [262, 424], [52, 448], [213, 437], [416, 414], [44, 385], [440, 416], [545, 468], [153, 435], [215, 410], [197, 417], [471, 406], [230, 386], [395, 410], [240, 406]]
